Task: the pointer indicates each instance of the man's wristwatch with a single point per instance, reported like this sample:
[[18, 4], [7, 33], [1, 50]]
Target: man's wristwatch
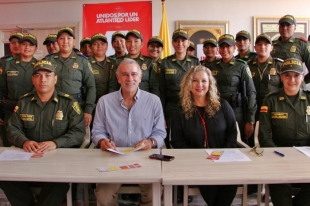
[[153, 143]]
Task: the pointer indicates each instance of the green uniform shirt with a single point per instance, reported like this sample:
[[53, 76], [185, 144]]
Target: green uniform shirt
[[114, 57], [149, 80], [208, 64], [61, 120], [170, 77], [248, 56], [3, 89], [102, 72], [283, 124], [74, 73], [229, 82]]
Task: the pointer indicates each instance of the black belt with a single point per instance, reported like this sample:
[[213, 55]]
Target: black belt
[[78, 97]]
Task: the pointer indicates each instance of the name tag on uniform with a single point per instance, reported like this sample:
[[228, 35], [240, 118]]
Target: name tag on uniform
[[95, 71], [279, 115], [170, 71], [12, 73], [27, 117]]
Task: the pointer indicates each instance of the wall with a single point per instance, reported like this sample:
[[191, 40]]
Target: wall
[[239, 12]]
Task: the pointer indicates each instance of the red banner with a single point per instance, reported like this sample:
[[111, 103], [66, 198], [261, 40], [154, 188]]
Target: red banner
[[121, 16]]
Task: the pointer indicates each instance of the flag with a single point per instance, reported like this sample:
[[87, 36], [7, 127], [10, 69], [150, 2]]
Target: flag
[[164, 33]]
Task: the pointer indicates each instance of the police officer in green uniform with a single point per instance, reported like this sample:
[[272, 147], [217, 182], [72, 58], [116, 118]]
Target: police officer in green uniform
[[171, 74], [191, 49], [51, 43], [118, 44], [43, 120], [235, 84], [243, 42], [74, 73], [85, 47], [265, 70], [102, 66], [285, 122], [289, 46], [16, 76], [154, 48], [210, 49], [15, 52], [134, 44]]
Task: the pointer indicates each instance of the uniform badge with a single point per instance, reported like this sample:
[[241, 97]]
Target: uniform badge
[[264, 109], [59, 115], [281, 98], [293, 49], [170, 71], [76, 107], [253, 74], [66, 95], [55, 65], [143, 67], [95, 71], [272, 71], [12, 73], [214, 73], [0, 70], [17, 62], [308, 110], [75, 65], [16, 108]]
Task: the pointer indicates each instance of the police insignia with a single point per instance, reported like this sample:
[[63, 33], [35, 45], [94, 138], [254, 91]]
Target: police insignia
[[155, 68], [75, 65], [55, 65], [308, 47], [281, 98], [16, 108], [214, 73], [95, 71], [17, 62], [272, 71], [293, 49], [264, 109], [253, 74], [308, 110], [59, 115], [76, 107], [248, 72], [279, 115], [143, 67], [0, 70], [170, 71], [12, 73]]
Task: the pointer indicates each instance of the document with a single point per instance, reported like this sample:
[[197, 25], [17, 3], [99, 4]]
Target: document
[[10, 155], [304, 150], [229, 155], [126, 150]]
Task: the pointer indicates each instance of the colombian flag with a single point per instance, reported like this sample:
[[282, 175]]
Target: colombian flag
[[164, 33]]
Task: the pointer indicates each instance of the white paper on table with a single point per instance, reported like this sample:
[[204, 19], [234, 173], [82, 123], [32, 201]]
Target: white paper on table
[[230, 155], [9, 155], [126, 150], [304, 150]]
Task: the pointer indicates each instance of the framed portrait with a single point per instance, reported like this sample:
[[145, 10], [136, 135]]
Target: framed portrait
[[270, 26], [199, 31]]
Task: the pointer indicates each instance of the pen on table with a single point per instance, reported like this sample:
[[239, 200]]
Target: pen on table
[[279, 153]]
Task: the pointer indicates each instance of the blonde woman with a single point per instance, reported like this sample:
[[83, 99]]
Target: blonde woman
[[205, 121]]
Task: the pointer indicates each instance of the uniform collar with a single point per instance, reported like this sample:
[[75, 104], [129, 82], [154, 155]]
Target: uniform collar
[[53, 98], [187, 58], [120, 96], [269, 60], [301, 95], [139, 57]]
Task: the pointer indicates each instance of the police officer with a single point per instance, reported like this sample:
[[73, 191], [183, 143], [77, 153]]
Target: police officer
[[231, 74], [210, 49], [16, 76], [285, 114], [43, 120], [134, 44], [155, 47], [265, 70], [85, 47], [243, 42], [51, 44], [102, 66], [173, 69], [118, 44], [74, 73], [289, 46], [191, 49]]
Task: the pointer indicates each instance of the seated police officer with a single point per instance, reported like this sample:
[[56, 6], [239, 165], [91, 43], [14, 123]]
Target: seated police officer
[[61, 126]]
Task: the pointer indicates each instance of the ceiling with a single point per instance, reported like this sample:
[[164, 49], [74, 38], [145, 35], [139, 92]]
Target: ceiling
[[26, 1]]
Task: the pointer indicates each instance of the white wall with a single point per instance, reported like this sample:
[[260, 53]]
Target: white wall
[[239, 13]]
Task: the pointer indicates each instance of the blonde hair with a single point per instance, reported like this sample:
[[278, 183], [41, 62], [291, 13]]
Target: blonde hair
[[212, 97]]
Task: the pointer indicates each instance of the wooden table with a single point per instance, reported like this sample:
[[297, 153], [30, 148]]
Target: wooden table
[[190, 167], [79, 166]]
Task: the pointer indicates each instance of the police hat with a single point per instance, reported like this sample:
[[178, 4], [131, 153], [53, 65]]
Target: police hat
[[156, 39], [228, 39], [263, 36], [134, 32], [98, 36], [17, 35], [191, 45], [43, 65], [84, 40], [292, 65], [29, 37], [50, 38], [210, 41], [287, 19], [66, 29], [179, 33], [118, 33], [243, 33]]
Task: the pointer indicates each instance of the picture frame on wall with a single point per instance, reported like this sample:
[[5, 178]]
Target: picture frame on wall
[[198, 31], [270, 26]]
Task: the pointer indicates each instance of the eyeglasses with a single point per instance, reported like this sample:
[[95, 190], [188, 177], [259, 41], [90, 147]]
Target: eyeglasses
[[258, 151]]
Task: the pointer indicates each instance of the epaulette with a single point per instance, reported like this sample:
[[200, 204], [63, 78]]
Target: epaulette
[[66, 95], [27, 95], [303, 39], [5, 57], [240, 60], [112, 60], [278, 59], [273, 92], [82, 55]]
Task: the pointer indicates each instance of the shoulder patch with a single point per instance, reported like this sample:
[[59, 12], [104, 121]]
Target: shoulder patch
[[240, 60], [76, 107], [27, 95]]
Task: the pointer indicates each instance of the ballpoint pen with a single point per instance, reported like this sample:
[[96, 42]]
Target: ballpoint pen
[[279, 153]]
